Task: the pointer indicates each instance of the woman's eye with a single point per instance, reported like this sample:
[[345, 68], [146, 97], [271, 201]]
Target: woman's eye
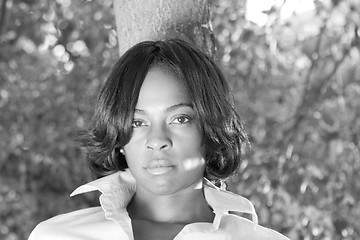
[[181, 120], [138, 123]]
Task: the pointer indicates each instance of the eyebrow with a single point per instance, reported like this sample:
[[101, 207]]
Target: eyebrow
[[169, 109]]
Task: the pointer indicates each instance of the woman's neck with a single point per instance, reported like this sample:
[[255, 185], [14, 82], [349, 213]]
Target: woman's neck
[[183, 207]]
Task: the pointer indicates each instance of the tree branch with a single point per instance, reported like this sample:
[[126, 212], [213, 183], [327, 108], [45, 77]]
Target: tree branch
[[314, 61], [311, 100]]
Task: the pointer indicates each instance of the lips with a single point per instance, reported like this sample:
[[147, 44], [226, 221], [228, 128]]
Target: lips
[[159, 167]]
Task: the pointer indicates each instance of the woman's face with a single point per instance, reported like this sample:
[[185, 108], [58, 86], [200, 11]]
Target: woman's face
[[165, 153]]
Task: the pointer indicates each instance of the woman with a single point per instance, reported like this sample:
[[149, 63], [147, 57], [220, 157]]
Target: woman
[[164, 120]]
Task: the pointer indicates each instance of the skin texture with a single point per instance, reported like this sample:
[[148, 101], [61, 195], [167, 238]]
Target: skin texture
[[166, 157]]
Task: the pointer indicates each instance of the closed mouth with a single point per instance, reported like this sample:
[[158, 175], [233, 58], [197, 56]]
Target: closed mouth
[[159, 167], [158, 163]]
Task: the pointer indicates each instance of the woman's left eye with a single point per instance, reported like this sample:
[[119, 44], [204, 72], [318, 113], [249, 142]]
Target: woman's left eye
[[181, 120]]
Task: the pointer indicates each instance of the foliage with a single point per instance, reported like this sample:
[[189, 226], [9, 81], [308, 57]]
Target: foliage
[[54, 55], [297, 85], [298, 91]]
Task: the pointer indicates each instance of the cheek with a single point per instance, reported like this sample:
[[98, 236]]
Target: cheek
[[198, 137], [193, 143], [190, 164], [193, 149], [132, 153], [135, 143]]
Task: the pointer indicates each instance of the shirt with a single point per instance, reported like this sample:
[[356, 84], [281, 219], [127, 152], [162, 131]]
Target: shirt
[[111, 220]]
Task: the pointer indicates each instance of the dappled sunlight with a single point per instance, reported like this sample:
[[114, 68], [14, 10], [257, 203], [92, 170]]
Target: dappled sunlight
[[192, 163], [257, 11]]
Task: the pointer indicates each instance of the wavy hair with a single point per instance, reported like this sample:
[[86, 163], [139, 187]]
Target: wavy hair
[[111, 127]]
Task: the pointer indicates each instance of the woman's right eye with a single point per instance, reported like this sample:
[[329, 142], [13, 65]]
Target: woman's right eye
[[138, 123]]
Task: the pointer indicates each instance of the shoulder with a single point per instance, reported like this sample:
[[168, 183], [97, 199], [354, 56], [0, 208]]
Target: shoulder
[[239, 226], [72, 226]]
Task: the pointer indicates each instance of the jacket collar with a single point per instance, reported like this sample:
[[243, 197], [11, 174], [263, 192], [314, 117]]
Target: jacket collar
[[117, 190]]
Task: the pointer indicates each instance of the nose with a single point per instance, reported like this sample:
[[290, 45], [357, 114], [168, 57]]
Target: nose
[[158, 139]]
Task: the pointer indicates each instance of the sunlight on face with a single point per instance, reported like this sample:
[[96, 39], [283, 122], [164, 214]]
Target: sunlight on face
[[192, 163]]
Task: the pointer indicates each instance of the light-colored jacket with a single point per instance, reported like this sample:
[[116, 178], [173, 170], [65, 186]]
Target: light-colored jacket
[[111, 221]]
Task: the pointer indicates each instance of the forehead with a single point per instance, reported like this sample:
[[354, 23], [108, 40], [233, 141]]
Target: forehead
[[162, 87]]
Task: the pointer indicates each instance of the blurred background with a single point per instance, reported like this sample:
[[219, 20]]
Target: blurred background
[[294, 70]]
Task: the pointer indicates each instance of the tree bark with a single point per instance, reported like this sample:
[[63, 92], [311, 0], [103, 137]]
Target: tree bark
[[141, 20]]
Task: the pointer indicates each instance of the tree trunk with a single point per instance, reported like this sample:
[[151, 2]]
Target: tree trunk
[[140, 20]]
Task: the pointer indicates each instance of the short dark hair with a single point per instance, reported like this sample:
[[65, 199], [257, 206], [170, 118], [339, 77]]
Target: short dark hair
[[111, 127]]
